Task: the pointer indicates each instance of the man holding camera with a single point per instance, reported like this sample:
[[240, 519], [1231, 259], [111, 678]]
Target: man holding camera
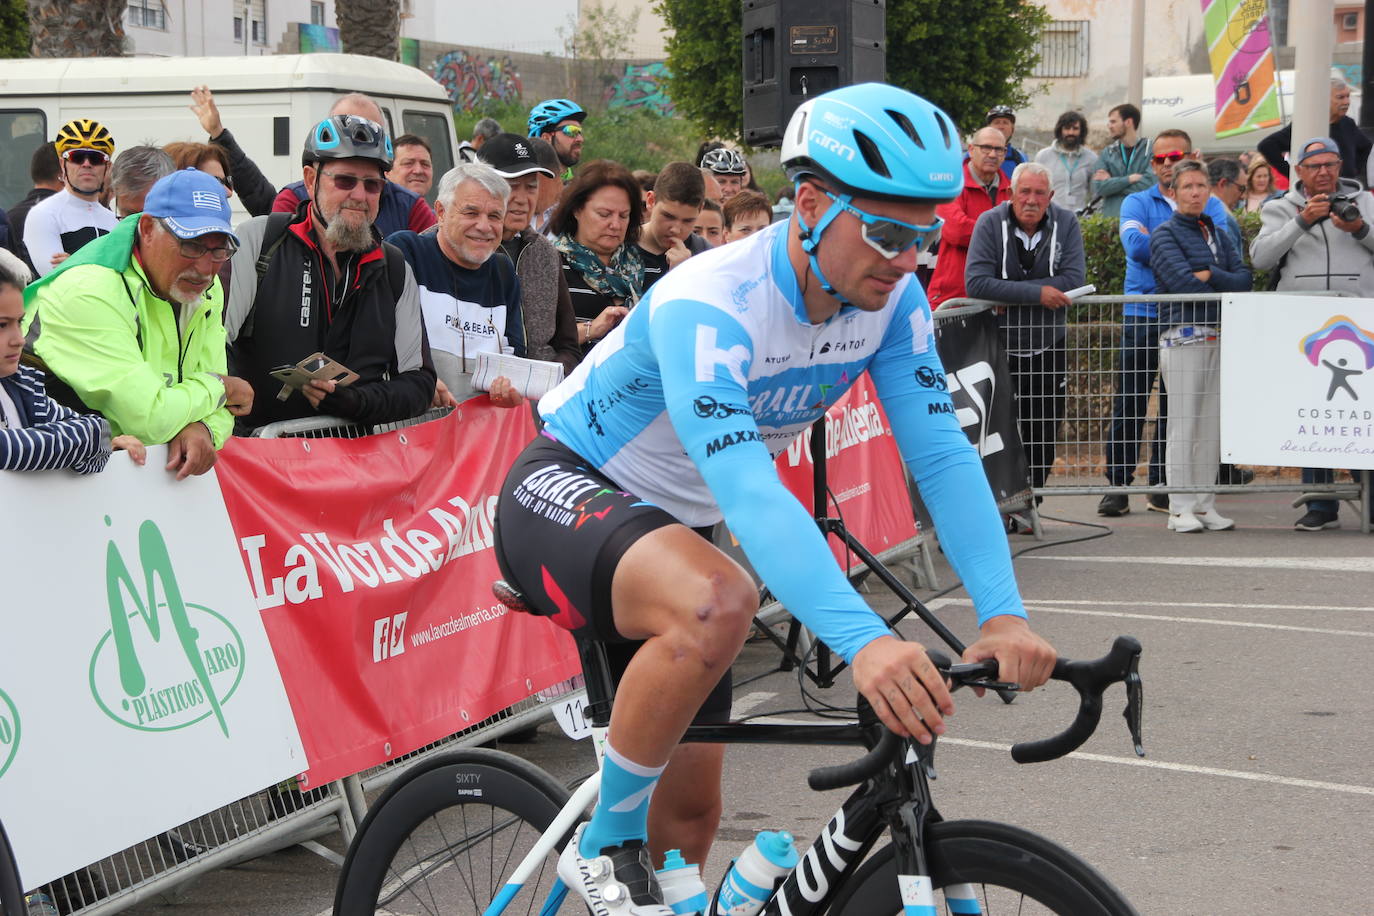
[[1317, 237]]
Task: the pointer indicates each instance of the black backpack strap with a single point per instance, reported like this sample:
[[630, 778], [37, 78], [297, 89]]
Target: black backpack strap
[[272, 237], [395, 270]]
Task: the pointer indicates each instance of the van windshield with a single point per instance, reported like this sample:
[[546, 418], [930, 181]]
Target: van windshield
[[21, 132], [438, 130]]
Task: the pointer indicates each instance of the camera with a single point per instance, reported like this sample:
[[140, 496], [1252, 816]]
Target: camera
[[1344, 206]]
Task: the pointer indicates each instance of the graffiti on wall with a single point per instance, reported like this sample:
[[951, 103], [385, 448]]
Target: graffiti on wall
[[471, 80], [1353, 73], [643, 86]]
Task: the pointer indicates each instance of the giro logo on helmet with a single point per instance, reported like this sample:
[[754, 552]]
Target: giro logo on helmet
[[830, 143], [939, 176]]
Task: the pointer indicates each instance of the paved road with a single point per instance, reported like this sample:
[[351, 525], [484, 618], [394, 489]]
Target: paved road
[[1257, 795]]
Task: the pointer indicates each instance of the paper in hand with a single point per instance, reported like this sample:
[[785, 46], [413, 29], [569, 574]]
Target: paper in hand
[[533, 378]]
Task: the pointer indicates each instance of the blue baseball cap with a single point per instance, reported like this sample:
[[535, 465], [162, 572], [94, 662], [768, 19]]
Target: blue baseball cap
[[1318, 146], [190, 203]]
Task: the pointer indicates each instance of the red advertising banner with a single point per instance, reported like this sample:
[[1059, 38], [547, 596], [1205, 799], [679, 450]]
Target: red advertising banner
[[863, 468], [371, 561]]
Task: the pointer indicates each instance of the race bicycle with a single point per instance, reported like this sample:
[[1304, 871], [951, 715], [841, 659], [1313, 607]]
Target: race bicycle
[[479, 831]]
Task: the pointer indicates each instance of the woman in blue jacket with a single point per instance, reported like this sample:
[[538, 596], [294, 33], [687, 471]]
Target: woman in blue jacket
[[1189, 254]]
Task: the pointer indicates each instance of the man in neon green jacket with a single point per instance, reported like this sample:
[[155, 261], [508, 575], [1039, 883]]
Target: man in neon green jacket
[[133, 323]]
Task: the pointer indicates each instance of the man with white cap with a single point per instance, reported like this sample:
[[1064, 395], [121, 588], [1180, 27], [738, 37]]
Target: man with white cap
[[133, 323]]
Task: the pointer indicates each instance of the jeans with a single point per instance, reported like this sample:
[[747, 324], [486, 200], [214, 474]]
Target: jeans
[[1039, 382], [1321, 475], [1139, 367]]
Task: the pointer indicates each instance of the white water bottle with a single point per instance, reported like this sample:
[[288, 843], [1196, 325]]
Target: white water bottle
[[681, 884], [749, 883]]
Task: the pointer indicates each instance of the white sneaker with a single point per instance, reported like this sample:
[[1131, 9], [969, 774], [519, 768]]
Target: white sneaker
[[1185, 523], [618, 882], [1213, 520]]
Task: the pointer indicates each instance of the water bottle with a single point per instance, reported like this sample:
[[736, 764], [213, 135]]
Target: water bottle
[[681, 884], [749, 883]]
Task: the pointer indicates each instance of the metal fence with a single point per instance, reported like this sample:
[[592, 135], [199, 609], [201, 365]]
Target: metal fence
[[278, 816], [1097, 392]]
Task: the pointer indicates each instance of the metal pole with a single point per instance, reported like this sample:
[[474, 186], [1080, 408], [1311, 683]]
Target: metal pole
[[1135, 81], [1314, 38]]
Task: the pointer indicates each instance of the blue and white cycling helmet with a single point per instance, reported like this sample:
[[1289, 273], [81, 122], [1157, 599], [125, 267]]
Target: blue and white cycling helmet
[[877, 141], [549, 113], [348, 137]]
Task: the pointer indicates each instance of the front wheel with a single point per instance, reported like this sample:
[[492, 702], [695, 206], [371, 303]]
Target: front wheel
[[444, 837], [1009, 870]]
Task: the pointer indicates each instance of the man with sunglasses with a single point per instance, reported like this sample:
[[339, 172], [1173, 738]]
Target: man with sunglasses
[[672, 424], [1141, 213], [985, 186], [60, 225], [131, 324], [1307, 237], [321, 280], [559, 121]]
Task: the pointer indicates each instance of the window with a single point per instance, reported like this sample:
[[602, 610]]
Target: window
[[1063, 49], [149, 14], [238, 28], [316, 13], [259, 32], [438, 130], [21, 132]]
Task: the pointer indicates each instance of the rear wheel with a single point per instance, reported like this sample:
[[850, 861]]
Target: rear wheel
[[1004, 869], [444, 838]]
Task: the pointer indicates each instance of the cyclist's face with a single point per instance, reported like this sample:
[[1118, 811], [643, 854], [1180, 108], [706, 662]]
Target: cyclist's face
[[356, 206], [730, 185], [84, 176], [853, 267], [569, 149]]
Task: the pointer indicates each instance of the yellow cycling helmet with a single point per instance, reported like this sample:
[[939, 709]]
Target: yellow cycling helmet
[[83, 133]]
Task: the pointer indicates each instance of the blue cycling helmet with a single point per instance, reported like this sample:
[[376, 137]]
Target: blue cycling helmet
[[549, 113], [877, 141], [348, 137]]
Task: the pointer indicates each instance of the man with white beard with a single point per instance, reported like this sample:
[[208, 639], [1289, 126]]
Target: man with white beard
[[130, 325], [321, 280]]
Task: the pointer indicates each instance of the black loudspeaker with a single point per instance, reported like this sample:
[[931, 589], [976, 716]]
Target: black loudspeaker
[[796, 49]]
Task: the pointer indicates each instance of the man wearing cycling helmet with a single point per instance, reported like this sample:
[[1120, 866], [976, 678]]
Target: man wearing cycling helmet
[[730, 170], [1004, 119], [559, 121], [673, 423], [59, 226], [329, 285]]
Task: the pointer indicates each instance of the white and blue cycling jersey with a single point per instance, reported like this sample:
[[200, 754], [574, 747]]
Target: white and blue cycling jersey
[[718, 368]]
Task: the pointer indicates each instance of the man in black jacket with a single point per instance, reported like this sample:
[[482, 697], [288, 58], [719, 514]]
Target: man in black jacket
[[329, 285], [1028, 251], [1353, 143]]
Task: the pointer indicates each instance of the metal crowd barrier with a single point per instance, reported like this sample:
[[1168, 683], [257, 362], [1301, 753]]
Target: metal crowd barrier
[[1093, 357], [279, 816]]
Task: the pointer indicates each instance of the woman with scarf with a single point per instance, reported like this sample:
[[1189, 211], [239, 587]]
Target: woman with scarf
[[595, 229]]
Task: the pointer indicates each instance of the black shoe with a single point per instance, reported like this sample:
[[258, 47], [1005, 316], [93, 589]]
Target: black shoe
[[1229, 473], [1316, 520], [1157, 502], [1114, 504]]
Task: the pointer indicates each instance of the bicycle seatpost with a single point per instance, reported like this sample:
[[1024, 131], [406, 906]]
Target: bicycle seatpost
[[596, 671]]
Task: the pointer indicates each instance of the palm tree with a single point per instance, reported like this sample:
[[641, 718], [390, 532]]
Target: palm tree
[[371, 27], [77, 28]]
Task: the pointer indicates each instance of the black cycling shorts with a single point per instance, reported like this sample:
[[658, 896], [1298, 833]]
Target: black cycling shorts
[[562, 527]]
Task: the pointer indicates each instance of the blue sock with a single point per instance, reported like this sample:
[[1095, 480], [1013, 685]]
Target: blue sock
[[622, 811]]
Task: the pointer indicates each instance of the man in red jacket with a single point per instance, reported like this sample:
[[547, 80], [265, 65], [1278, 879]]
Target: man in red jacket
[[984, 188]]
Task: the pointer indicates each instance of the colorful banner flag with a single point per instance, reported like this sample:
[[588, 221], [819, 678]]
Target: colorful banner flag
[[1242, 54]]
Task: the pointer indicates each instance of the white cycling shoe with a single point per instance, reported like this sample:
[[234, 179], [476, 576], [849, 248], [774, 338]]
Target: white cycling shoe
[[618, 882]]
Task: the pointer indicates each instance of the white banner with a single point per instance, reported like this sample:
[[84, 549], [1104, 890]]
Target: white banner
[[137, 686], [1297, 388]]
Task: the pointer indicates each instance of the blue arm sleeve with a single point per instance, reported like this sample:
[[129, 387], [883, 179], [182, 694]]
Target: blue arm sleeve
[[776, 532], [912, 385], [1134, 237]]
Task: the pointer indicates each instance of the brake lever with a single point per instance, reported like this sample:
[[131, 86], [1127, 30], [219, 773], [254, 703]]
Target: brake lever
[[1134, 712]]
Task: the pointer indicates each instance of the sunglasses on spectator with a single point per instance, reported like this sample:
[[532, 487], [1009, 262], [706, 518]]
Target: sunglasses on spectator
[[1331, 165], [989, 150], [889, 237], [571, 130], [86, 156], [226, 181], [1169, 157], [349, 182], [194, 251]]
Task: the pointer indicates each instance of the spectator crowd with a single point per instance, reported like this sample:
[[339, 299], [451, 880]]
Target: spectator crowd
[[134, 313]]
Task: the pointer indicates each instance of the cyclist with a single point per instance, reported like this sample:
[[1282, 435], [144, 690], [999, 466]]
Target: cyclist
[[684, 405], [730, 171], [60, 225]]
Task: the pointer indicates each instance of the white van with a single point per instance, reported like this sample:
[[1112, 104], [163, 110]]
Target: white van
[[267, 102]]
